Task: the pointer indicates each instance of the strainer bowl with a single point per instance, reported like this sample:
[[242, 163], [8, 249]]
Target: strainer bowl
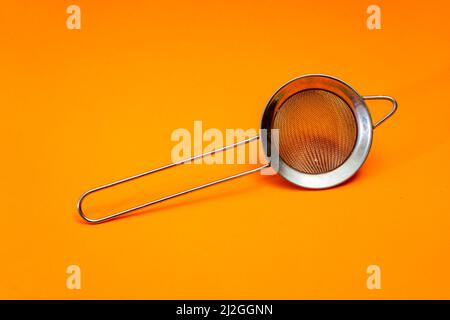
[[325, 130]]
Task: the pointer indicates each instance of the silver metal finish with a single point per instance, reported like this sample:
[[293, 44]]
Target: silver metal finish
[[394, 107], [362, 118], [329, 179], [118, 214]]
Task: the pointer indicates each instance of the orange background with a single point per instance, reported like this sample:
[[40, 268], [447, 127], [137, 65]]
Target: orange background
[[81, 108]]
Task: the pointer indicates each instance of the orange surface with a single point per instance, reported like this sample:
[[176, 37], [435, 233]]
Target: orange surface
[[85, 107]]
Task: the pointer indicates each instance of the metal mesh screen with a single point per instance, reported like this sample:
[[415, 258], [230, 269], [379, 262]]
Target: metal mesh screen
[[317, 131]]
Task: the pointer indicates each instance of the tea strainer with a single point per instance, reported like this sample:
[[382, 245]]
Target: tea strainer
[[323, 136]]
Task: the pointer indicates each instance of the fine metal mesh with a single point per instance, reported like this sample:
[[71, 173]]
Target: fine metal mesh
[[317, 131]]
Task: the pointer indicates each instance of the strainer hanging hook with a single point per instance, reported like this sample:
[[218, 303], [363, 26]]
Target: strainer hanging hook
[[388, 98]]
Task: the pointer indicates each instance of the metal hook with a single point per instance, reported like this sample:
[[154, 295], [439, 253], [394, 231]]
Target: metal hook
[[117, 214], [394, 107]]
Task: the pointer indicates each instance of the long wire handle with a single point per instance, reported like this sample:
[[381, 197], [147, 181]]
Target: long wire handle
[[109, 185]]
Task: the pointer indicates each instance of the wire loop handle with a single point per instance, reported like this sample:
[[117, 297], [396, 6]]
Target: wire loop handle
[[120, 213], [394, 107]]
